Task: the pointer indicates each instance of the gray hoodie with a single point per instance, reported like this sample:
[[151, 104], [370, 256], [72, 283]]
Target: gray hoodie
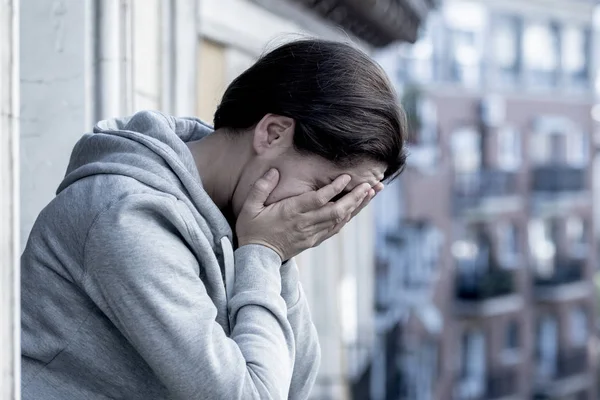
[[131, 288]]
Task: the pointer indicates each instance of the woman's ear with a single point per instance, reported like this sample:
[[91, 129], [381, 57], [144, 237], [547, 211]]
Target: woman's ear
[[273, 134]]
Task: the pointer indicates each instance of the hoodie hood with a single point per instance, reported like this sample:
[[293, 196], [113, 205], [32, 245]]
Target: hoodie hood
[[151, 148]]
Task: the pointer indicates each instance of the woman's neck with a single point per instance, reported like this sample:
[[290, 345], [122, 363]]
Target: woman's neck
[[220, 159]]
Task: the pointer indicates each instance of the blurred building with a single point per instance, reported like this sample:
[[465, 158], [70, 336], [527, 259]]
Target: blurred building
[[86, 60], [485, 267]]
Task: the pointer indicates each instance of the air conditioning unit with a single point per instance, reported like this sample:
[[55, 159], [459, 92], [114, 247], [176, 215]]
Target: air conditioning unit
[[492, 110]]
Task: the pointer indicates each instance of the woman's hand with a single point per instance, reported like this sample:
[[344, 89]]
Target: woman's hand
[[295, 224]]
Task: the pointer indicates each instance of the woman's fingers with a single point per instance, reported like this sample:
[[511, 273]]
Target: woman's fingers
[[319, 198], [341, 209], [328, 228]]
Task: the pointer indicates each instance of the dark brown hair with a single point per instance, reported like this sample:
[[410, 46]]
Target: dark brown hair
[[342, 102]]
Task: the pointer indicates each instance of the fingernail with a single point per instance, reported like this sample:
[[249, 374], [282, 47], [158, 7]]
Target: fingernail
[[271, 173], [371, 192]]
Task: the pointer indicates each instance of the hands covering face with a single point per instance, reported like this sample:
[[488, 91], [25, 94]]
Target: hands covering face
[[295, 224]]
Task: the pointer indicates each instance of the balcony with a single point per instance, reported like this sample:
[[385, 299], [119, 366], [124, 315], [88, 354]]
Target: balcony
[[572, 375], [499, 384], [482, 189], [555, 179], [378, 22], [480, 287], [487, 293], [567, 281], [502, 383], [565, 272], [572, 362]]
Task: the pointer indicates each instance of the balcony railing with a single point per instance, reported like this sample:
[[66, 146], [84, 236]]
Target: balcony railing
[[502, 383], [572, 362], [378, 22], [471, 188], [565, 272], [558, 178], [568, 363], [492, 283], [499, 384]]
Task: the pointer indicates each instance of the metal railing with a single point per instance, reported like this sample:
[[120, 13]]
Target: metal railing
[[572, 362], [565, 271], [569, 363], [558, 178], [471, 188], [502, 383], [480, 286], [499, 383]]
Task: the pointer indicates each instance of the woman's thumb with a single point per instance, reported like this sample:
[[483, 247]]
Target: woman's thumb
[[263, 187]]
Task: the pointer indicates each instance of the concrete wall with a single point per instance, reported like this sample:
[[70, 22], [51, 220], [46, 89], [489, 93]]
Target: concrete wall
[[54, 98], [100, 58]]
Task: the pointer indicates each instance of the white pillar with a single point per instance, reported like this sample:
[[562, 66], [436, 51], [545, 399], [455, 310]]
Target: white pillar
[[185, 32], [113, 81], [180, 19], [9, 238]]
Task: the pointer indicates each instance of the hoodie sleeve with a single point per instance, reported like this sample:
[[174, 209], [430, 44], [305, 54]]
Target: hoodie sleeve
[[308, 351], [142, 275]]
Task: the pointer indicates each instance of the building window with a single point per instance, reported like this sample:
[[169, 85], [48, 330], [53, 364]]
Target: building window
[[541, 54], [576, 232], [579, 326], [466, 58], [417, 63], [509, 149], [506, 38], [419, 366], [575, 56], [472, 365], [508, 244], [466, 21], [542, 246], [576, 148], [423, 121], [547, 348], [466, 150], [511, 341], [423, 247], [511, 354], [558, 141]]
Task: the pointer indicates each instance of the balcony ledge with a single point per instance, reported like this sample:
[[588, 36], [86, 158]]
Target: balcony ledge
[[378, 22], [566, 291], [491, 306], [492, 206]]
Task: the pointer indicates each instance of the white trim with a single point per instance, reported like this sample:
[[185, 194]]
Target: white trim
[[10, 349], [185, 42], [250, 27], [241, 24]]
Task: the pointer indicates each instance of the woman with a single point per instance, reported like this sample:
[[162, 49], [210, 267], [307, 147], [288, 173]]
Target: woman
[[162, 269]]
